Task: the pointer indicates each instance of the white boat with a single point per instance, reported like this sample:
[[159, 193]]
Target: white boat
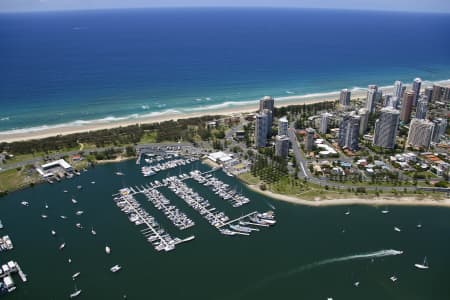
[[419, 226], [356, 284], [74, 276], [25, 203], [79, 213], [65, 191], [46, 205], [385, 211], [76, 293], [422, 266], [62, 246], [397, 229], [69, 260], [115, 268], [79, 187], [107, 250], [1, 225], [79, 225], [63, 217], [74, 201], [347, 213], [393, 278], [119, 174], [93, 231], [53, 232], [44, 216], [92, 182]]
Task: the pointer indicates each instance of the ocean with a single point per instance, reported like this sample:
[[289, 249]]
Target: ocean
[[311, 253], [84, 67]]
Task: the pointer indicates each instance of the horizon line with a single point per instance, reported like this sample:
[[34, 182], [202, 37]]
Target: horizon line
[[223, 7]]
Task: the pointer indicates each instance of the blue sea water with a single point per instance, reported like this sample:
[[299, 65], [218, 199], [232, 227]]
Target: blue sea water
[[85, 66]]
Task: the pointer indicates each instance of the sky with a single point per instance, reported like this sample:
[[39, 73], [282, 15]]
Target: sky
[[442, 6]]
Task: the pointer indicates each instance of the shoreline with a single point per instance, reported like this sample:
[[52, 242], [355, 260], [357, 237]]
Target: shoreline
[[376, 201], [248, 107]]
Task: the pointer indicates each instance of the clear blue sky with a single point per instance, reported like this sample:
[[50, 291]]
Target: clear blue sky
[[394, 5]]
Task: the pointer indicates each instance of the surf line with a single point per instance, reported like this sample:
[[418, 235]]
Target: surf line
[[369, 255]]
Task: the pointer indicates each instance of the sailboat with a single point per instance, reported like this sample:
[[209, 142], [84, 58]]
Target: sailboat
[[422, 266], [76, 293]]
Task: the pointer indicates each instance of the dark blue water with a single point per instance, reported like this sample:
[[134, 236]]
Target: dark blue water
[[81, 66]]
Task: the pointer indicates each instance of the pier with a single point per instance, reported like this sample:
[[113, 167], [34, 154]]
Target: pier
[[238, 219]]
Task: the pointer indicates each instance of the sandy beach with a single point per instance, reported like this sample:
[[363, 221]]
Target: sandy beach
[[248, 106], [420, 200]]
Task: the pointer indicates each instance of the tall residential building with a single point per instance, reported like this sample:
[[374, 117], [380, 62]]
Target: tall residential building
[[364, 120], [372, 94], [445, 93], [422, 108], [324, 122], [387, 100], [269, 114], [281, 145], [349, 131], [344, 98], [398, 89], [440, 126], [436, 93], [416, 89], [429, 92], [407, 104], [283, 125], [386, 128], [261, 129], [309, 139], [267, 102], [420, 133], [393, 102]]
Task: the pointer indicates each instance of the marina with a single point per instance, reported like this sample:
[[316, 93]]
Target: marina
[[153, 232]]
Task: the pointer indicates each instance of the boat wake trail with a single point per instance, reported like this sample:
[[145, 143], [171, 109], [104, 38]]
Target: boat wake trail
[[369, 255]]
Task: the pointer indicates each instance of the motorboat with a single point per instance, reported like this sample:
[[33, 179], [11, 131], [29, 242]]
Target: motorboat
[[62, 246], [74, 276], [397, 229], [107, 250], [115, 268]]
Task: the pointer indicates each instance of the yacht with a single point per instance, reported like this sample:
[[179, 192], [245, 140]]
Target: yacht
[[69, 260], [79, 187], [115, 268], [62, 246], [74, 201], [419, 226], [107, 250], [79, 213], [53, 232], [44, 216], [422, 266], [393, 278], [119, 174], [79, 225], [397, 229], [63, 217], [93, 231], [356, 284], [92, 182], [76, 293], [347, 213], [65, 191], [25, 203], [74, 276], [385, 211], [46, 205]]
